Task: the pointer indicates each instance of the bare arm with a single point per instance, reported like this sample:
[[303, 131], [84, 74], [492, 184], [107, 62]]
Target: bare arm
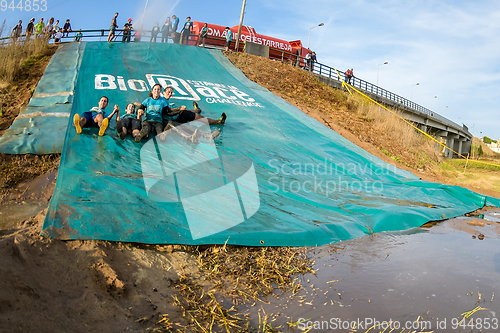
[[140, 113], [115, 110]]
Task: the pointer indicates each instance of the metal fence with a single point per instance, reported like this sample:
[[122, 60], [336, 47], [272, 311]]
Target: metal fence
[[330, 72], [317, 68]]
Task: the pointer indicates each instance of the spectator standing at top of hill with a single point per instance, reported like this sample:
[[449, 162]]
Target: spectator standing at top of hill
[[348, 75], [186, 30], [175, 24], [18, 30], [29, 28], [229, 38], [48, 28], [308, 60], [165, 30], [154, 32], [313, 60], [39, 28], [203, 35], [112, 28], [67, 28], [127, 31]]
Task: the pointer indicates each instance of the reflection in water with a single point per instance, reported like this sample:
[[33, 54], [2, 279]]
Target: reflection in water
[[436, 272]]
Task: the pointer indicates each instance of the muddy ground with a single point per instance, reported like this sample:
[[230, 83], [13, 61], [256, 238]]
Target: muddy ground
[[96, 286]]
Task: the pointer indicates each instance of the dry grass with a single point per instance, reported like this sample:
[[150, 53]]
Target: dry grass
[[334, 107], [404, 135], [477, 175], [233, 276], [20, 56], [17, 168]]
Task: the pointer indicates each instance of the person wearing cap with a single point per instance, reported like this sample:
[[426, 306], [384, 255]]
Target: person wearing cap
[[127, 30], [29, 28], [39, 28]]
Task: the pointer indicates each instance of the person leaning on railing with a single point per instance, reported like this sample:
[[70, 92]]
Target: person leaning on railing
[[40, 28], [17, 31], [78, 36], [29, 28], [127, 31], [48, 28]]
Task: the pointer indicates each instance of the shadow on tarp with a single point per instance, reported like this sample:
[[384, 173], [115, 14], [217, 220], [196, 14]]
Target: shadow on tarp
[[294, 182]]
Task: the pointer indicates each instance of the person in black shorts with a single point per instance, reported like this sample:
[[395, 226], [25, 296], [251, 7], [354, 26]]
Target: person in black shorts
[[182, 115], [95, 117], [129, 123]]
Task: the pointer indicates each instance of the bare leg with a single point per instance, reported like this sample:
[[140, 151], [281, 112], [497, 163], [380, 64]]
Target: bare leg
[[98, 119], [220, 121]]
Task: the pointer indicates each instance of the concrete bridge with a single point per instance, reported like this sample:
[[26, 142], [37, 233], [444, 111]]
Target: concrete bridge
[[457, 136]]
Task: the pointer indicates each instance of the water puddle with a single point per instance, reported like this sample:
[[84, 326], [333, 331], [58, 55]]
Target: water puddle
[[27, 200], [437, 272]]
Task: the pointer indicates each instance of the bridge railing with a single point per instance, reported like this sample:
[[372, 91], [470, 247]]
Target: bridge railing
[[331, 73], [316, 67]]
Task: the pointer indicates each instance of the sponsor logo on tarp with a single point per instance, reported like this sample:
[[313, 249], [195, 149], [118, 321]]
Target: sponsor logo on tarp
[[262, 40], [191, 90]]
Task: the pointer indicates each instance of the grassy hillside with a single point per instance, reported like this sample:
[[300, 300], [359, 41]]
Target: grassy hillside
[[362, 122]]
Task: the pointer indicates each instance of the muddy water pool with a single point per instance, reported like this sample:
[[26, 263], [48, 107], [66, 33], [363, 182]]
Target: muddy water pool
[[432, 274]]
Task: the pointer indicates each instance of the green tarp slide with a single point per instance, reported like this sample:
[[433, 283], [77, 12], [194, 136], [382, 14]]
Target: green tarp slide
[[274, 176]]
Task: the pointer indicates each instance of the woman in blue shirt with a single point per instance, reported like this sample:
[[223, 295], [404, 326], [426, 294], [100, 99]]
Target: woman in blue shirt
[[151, 111]]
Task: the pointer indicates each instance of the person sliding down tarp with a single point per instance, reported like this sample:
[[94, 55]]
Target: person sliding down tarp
[[96, 117], [157, 113], [182, 115]]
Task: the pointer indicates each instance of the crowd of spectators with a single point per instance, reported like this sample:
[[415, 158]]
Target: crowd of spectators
[[48, 31], [167, 31]]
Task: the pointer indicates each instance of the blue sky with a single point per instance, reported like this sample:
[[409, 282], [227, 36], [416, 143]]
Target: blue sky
[[451, 48]]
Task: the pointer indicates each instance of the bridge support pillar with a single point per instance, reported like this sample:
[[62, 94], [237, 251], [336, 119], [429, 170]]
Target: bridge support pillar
[[466, 147], [450, 142]]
